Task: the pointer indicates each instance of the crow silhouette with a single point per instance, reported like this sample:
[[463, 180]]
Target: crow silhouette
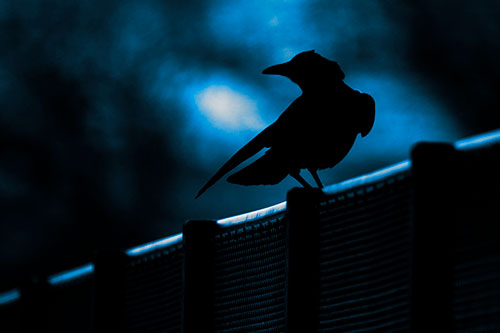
[[315, 132]]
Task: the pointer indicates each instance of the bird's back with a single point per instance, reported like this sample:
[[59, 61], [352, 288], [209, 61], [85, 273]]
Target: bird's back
[[319, 128]]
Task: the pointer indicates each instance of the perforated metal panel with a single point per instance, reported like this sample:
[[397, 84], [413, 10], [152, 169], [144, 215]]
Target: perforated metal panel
[[250, 277], [153, 291], [365, 258]]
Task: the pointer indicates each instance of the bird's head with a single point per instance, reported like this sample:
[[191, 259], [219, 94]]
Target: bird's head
[[308, 68]]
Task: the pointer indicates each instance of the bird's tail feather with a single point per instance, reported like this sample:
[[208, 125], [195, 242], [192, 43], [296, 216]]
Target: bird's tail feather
[[267, 170], [250, 149]]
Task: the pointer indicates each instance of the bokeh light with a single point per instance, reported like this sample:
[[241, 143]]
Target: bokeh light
[[228, 110]]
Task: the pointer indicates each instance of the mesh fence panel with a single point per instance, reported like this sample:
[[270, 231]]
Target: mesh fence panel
[[476, 279], [153, 291], [477, 290], [365, 253], [250, 276], [72, 301], [9, 317]]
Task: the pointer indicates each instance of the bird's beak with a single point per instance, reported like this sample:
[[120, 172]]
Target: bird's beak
[[281, 69]]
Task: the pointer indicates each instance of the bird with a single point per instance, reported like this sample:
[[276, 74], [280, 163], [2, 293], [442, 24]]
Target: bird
[[315, 132]]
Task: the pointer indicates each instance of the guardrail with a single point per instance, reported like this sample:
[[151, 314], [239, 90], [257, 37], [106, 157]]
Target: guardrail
[[404, 248]]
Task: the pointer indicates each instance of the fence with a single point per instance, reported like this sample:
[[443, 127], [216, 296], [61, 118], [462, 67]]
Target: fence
[[407, 248]]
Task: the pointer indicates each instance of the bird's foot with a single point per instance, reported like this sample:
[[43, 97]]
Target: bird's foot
[[301, 180], [316, 178]]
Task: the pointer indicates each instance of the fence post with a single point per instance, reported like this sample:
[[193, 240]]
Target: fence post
[[109, 286], [302, 286], [198, 302], [434, 175]]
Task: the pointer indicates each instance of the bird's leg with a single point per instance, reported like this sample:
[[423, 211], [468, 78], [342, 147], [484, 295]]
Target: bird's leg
[[316, 177], [301, 180]]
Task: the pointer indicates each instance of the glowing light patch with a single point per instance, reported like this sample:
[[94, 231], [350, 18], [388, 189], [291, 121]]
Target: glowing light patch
[[71, 274], [368, 178], [228, 109], [482, 139], [253, 215], [135, 251], [9, 296]]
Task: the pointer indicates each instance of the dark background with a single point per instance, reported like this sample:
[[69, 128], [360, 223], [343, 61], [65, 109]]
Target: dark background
[[115, 113]]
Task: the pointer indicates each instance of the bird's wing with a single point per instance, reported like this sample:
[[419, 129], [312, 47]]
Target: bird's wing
[[362, 106], [267, 170], [366, 109], [262, 140]]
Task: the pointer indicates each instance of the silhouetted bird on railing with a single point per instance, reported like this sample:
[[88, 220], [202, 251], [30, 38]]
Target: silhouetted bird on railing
[[315, 132]]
